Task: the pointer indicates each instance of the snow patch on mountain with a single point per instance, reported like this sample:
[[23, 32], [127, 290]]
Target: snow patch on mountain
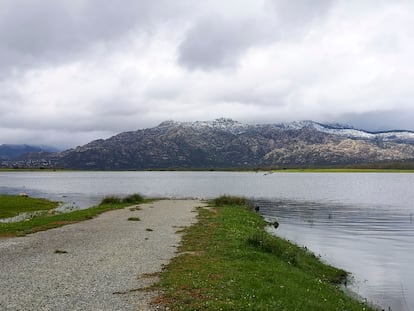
[[356, 133], [237, 128], [223, 124]]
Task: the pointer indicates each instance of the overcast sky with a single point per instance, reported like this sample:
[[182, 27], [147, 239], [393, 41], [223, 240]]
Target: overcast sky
[[76, 70]]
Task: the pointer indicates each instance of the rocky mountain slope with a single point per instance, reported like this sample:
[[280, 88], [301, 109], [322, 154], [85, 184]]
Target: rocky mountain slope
[[225, 143], [11, 152]]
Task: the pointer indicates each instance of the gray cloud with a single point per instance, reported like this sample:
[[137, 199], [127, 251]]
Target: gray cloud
[[44, 32], [299, 13], [73, 71], [380, 120], [215, 42]]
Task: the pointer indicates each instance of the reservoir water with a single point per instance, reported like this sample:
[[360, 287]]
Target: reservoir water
[[363, 223]]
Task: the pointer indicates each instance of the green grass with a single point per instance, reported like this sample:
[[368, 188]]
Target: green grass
[[134, 218], [111, 200], [60, 251], [131, 199], [229, 262], [13, 205], [135, 208], [229, 200], [48, 221]]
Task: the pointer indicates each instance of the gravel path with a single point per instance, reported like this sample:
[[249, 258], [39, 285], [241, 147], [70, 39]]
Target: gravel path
[[108, 259]]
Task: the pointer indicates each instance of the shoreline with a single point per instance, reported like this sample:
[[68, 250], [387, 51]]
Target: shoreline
[[241, 170], [137, 213], [228, 261], [103, 263]]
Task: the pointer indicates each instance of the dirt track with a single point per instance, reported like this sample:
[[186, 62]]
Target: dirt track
[[107, 260]]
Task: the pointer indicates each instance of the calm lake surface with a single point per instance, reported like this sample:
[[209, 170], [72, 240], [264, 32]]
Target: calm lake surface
[[360, 222]]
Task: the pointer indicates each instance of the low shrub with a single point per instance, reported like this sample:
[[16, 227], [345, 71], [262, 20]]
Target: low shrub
[[133, 198], [230, 200], [110, 200]]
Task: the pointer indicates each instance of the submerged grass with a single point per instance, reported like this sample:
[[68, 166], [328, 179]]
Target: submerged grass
[[229, 262], [13, 205], [48, 221]]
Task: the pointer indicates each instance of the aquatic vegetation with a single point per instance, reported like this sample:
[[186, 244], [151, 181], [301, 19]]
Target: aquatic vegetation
[[13, 205], [47, 221]]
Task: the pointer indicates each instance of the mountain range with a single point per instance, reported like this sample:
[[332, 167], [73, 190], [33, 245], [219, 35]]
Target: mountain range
[[225, 143], [11, 152]]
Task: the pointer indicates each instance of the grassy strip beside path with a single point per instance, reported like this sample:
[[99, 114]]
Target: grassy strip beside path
[[229, 262], [47, 221]]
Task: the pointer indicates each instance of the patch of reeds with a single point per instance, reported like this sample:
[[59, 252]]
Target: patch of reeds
[[111, 200], [131, 199], [229, 200]]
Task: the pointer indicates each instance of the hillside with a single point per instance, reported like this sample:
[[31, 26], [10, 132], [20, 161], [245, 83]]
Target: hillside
[[11, 152], [225, 143]]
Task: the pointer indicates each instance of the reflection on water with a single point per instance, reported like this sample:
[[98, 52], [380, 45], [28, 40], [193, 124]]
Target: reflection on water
[[374, 243]]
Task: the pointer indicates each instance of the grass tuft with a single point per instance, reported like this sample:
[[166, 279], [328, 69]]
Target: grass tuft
[[131, 199], [264, 242], [226, 200], [60, 251], [134, 219], [135, 208], [134, 199], [111, 200]]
